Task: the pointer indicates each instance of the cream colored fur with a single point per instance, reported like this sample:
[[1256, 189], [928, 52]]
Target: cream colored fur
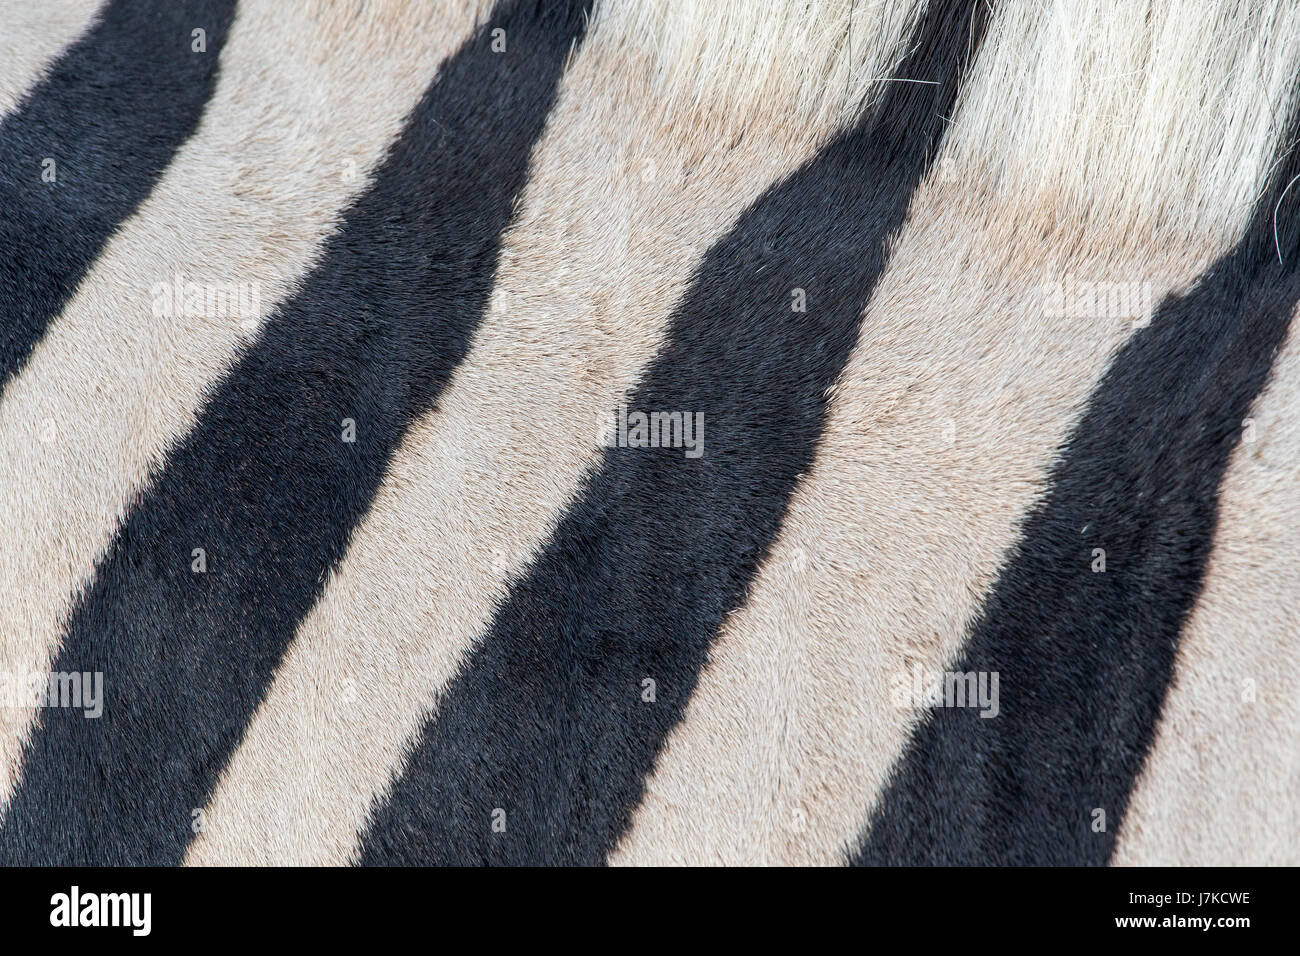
[[1221, 781], [1118, 141], [626, 191], [112, 386], [34, 35], [948, 416]]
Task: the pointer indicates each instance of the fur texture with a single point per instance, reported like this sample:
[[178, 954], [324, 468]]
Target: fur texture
[[112, 385], [1086, 654], [943, 431], [405, 282], [588, 278], [132, 89], [887, 250], [35, 36], [1217, 785]]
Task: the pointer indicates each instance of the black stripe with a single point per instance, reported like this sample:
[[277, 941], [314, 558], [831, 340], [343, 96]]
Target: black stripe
[[264, 482], [546, 720], [1084, 658], [111, 114]]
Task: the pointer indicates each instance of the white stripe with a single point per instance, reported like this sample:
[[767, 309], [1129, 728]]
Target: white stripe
[[1220, 785], [942, 429], [589, 277], [35, 35], [306, 104]]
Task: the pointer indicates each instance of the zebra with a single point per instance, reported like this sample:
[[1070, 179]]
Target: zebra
[[985, 308]]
